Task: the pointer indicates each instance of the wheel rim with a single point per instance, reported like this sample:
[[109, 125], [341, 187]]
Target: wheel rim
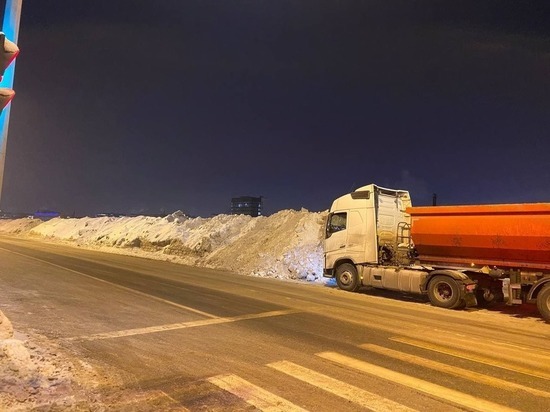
[[346, 278], [443, 291]]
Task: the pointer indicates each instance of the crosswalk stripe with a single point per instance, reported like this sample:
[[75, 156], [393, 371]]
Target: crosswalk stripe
[[543, 354], [473, 357], [349, 392], [537, 355], [436, 391], [453, 370], [254, 395]]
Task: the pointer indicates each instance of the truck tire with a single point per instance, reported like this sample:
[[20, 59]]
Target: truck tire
[[347, 277], [543, 303], [487, 298], [444, 292]]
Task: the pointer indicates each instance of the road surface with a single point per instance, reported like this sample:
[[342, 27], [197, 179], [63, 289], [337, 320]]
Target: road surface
[[182, 338]]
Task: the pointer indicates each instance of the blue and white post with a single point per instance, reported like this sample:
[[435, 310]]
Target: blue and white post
[[10, 27]]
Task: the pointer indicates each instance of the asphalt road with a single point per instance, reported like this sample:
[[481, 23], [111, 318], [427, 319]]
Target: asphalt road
[[184, 338]]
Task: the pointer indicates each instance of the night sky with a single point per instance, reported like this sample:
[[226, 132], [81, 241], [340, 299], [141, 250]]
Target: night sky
[[153, 106]]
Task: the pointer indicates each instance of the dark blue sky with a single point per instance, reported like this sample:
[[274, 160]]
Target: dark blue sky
[[132, 106]]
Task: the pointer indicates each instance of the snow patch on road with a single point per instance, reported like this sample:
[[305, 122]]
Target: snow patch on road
[[36, 375]]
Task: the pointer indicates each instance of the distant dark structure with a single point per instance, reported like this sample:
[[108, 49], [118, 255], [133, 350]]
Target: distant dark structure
[[246, 205], [10, 215]]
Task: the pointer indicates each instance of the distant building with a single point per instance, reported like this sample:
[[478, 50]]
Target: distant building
[[246, 205]]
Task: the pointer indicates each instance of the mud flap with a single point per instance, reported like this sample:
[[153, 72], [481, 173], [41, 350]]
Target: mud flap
[[470, 299], [469, 295]]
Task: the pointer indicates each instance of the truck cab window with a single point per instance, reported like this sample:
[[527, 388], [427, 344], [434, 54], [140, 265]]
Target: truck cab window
[[336, 223]]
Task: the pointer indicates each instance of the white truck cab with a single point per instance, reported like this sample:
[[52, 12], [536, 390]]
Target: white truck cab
[[368, 243], [367, 226]]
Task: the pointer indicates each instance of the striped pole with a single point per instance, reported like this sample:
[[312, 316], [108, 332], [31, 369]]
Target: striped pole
[[10, 27]]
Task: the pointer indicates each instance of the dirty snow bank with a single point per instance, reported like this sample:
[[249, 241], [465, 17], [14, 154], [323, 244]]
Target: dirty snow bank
[[37, 375], [18, 226], [286, 245]]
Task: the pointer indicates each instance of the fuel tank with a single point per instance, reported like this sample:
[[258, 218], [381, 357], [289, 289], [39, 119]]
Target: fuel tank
[[501, 235]]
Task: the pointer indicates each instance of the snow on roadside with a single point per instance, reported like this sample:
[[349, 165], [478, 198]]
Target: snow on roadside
[[286, 245], [18, 226], [35, 375]]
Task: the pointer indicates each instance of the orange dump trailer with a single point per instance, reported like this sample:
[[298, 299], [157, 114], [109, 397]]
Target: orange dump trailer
[[507, 236], [496, 245]]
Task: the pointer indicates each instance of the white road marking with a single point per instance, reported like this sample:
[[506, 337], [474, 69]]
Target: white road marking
[[182, 325], [537, 355], [254, 395], [459, 353], [137, 292], [153, 398], [173, 408], [454, 370], [436, 391], [344, 390]]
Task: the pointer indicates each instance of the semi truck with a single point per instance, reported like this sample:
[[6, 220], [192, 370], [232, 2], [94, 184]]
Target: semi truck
[[459, 256]]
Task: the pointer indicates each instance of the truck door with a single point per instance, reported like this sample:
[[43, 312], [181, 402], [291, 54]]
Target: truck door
[[335, 237]]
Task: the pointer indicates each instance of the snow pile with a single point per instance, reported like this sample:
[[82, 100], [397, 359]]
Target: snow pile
[[34, 377], [286, 245], [18, 226]]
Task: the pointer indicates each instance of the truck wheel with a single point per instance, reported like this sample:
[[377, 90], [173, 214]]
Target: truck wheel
[[444, 292], [543, 303], [487, 298], [347, 277]]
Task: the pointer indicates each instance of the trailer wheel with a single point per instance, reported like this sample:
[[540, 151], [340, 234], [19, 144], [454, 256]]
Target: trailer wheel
[[347, 277], [543, 303], [444, 292]]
